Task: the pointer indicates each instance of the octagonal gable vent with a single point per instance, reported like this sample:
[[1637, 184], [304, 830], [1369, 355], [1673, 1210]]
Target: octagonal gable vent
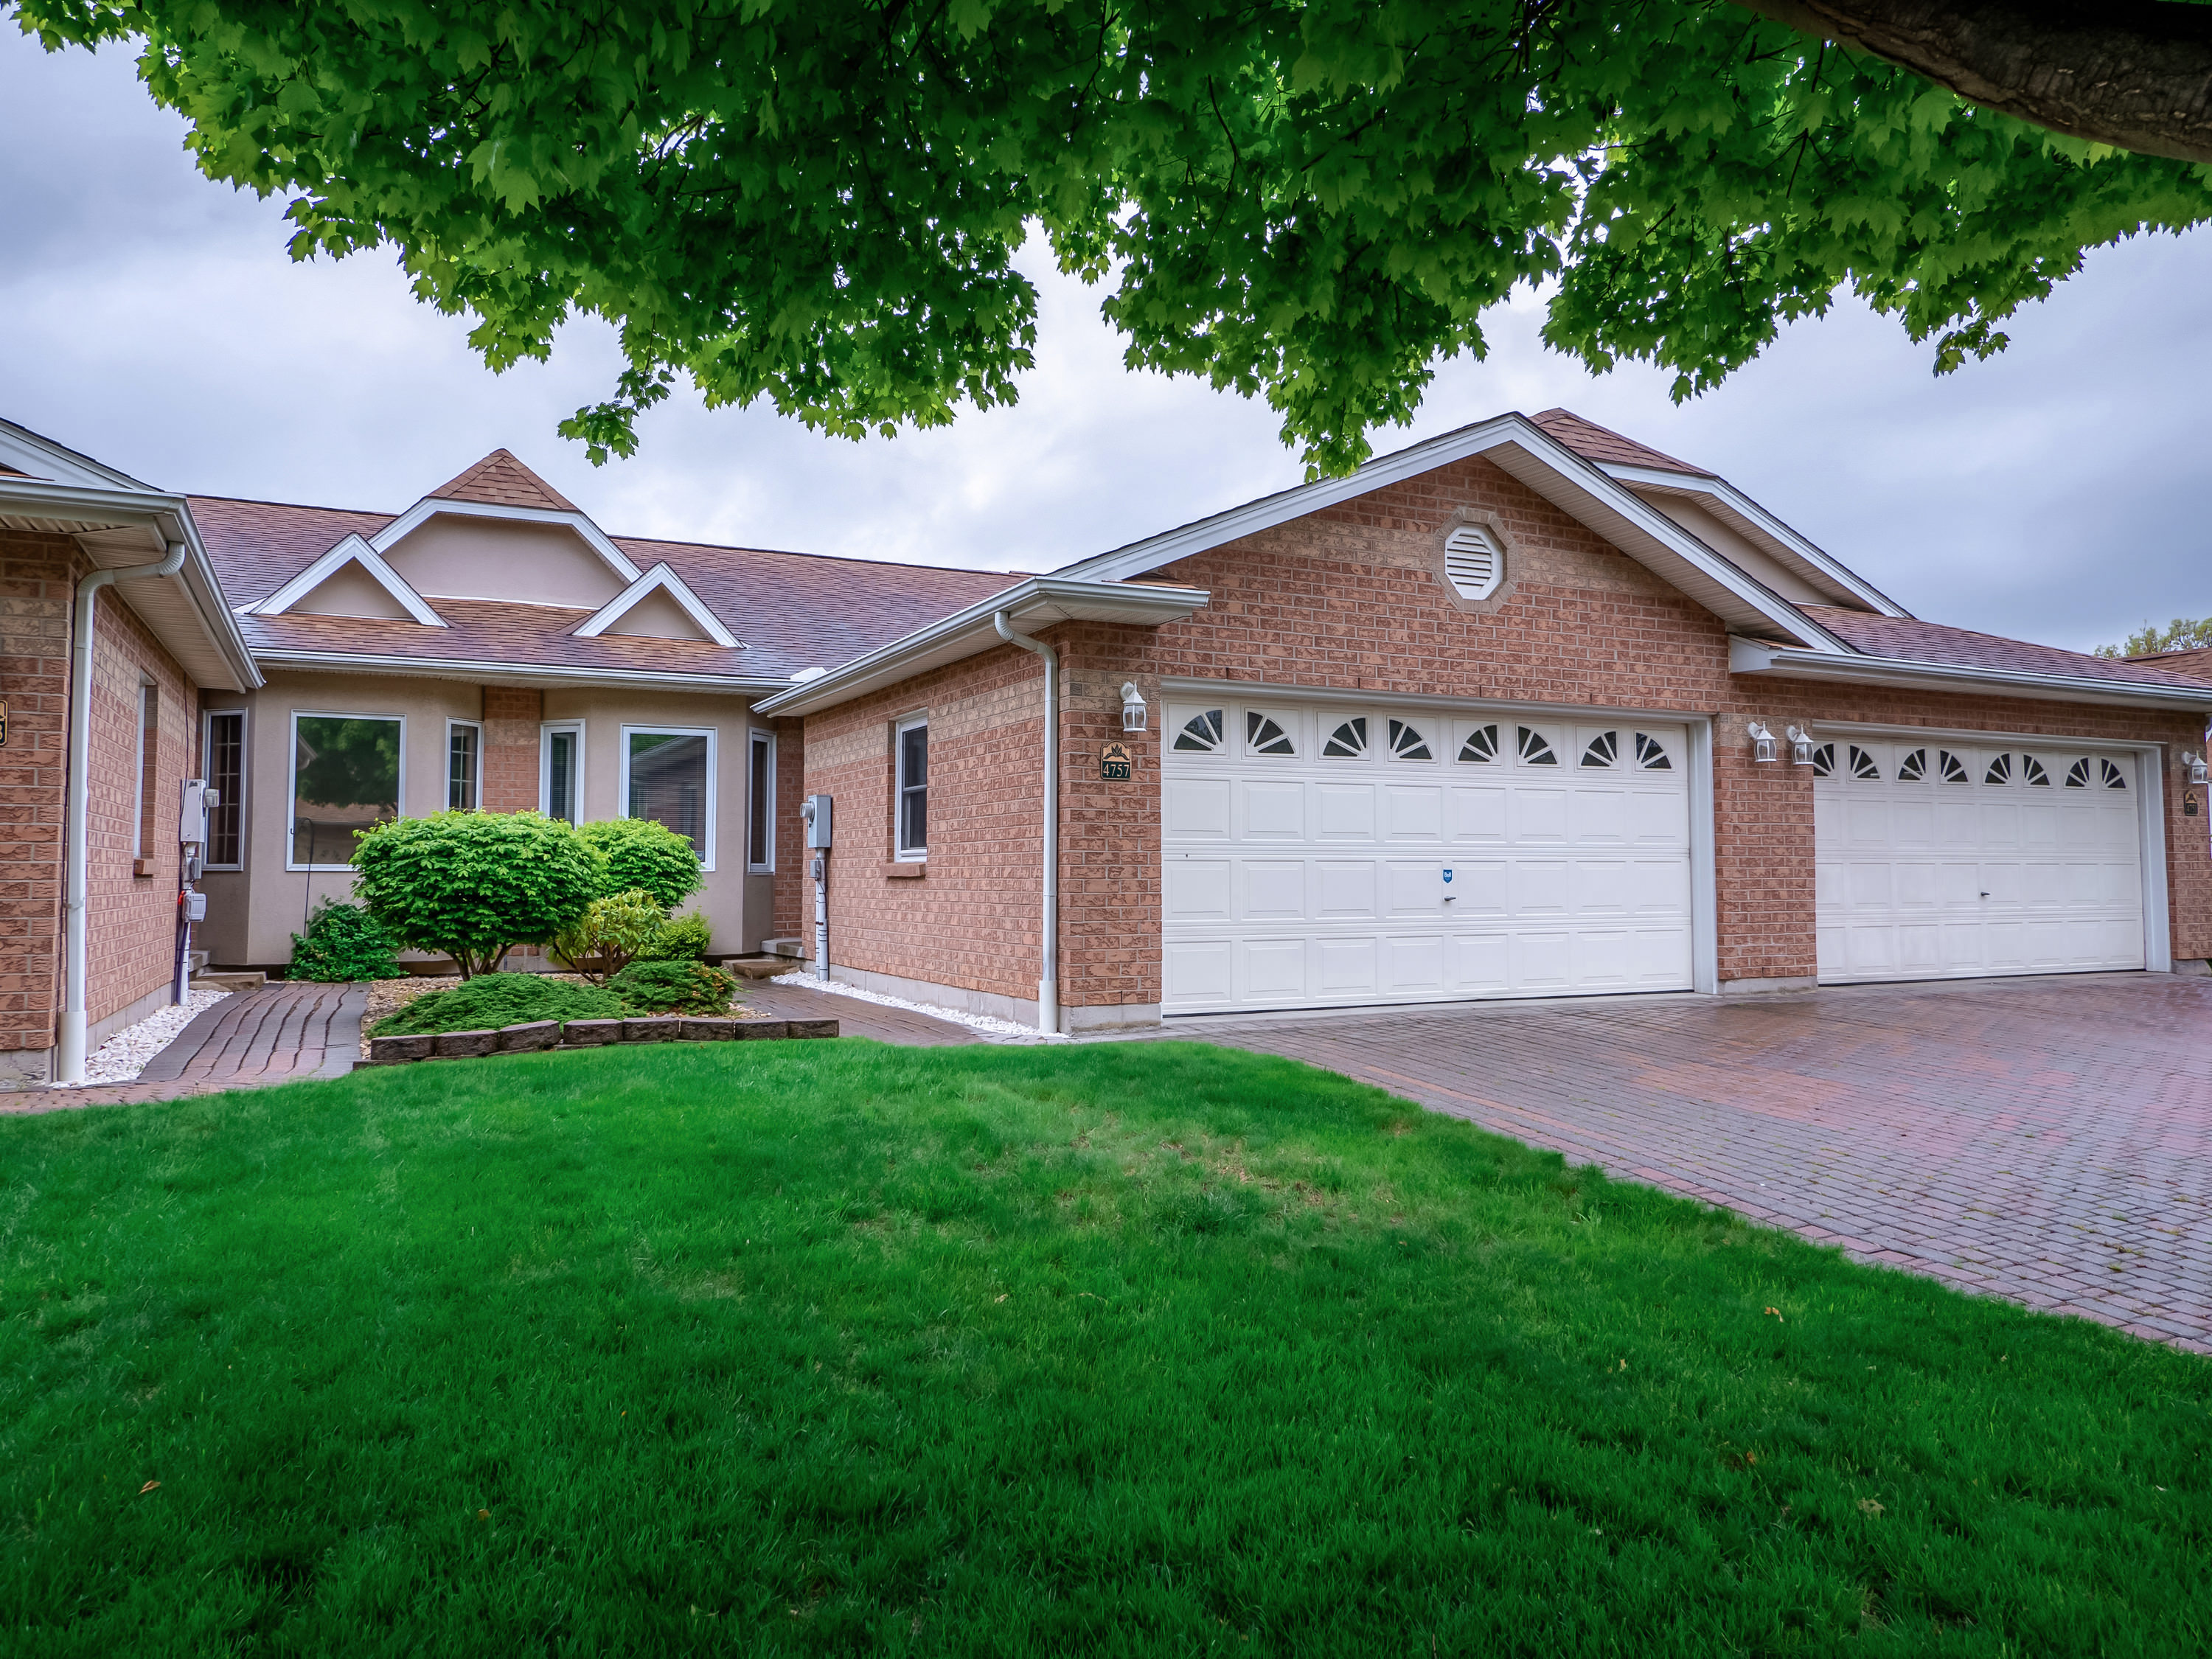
[[1473, 561]]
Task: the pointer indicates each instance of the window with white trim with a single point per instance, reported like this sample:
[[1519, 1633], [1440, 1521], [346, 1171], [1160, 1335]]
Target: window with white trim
[[225, 762], [911, 747], [561, 770], [668, 777], [146, 808], [463, 766], [346, 771], [760, 802]]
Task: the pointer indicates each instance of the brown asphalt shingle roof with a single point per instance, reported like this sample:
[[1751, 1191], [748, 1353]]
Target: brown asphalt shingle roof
[[1907, 640], [791, 611], [2192, 665], [1601, 444], [500, 480]]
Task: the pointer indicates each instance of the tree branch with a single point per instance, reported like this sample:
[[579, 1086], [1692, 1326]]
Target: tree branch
[[2134, 74]]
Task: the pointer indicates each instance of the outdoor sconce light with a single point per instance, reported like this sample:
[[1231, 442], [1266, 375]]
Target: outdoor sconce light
[[1801, 745], [2196, 769], [1133, 708], [1762, 742]]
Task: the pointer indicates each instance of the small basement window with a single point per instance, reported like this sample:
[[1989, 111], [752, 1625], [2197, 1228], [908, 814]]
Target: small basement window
[[1475, 563]]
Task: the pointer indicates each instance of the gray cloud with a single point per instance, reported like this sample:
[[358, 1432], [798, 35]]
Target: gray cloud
[[155, 320]]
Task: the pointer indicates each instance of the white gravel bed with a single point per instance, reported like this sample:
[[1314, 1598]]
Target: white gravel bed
[[123, 1057], [997, 1031]]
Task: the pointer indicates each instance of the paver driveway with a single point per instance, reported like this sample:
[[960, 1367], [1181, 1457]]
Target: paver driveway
[[2045, 1140]]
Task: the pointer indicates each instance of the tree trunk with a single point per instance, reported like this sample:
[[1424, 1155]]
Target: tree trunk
[[2134, 74]]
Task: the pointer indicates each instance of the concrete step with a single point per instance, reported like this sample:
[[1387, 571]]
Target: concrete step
[[795, 948], [756, 967], [252, 981]]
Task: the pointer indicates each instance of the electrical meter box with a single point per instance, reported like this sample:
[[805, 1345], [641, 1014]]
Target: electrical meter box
[[191, 821], [816, 812]]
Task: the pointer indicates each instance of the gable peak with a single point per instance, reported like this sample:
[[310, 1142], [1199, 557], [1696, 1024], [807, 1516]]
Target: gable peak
[[500, 480], [1603, 446]]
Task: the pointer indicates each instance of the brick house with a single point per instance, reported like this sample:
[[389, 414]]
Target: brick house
[[1528, 709]]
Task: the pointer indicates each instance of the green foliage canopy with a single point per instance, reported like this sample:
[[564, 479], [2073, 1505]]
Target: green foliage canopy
[[612, 930], [475, 884], [818, 202], [2182, 634], [641, 855], [679, 938]]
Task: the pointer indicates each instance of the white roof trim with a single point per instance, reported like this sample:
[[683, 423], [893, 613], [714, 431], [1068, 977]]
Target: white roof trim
[[1762, 529], [1537, 460], [488, 673], [1755, 657], [1036, 602], [430, 506], [659, 580], [42, 461], [352, 550]]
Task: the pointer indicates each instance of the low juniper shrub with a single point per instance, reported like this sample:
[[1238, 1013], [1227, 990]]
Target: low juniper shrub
[[491, 1001], [674, 988]]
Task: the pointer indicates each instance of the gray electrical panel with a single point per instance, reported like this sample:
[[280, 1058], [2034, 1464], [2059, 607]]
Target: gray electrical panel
[[817, 814]]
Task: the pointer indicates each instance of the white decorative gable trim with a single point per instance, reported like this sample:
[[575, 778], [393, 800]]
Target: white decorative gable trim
[[431, 507], [352, 550], [659, 580], [23, 450]]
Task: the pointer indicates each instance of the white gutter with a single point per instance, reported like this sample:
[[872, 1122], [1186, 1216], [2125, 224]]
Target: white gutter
[[485, 672], [1048, 967], [68, 1066], [1757, 657]]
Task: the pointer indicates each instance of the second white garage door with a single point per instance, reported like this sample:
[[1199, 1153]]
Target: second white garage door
[[1951, 860], [1331, 855]]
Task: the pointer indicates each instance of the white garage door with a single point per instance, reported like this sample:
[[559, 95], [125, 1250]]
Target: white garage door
[[1334, 855], [1951, 861]]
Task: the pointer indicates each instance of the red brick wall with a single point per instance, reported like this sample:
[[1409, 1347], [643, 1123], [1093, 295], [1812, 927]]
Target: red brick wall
[[1351, 598], [511, 715], [793, 914]]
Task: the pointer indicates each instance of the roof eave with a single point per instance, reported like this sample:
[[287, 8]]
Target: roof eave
[[1756, 657], [505, 673], [1036, 602]]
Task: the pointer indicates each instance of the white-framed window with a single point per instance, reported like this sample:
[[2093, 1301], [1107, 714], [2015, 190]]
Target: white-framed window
[[561, 770], [910, 752], [345, 776], [668, 776], [760, 802], [146, 795], [223, 763], [463, 766]]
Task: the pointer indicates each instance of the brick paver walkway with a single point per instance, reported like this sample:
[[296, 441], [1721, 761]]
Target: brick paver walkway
[[277, 1034], [2048, 1141]]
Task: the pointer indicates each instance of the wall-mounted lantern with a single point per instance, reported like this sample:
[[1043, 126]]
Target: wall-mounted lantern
[[1762, 743], [2196, 766], [1801, 745], [1133, 708]]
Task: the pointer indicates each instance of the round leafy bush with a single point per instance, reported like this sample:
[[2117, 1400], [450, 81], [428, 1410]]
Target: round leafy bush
[[674, 988], [612, 933], [679, 938], [490, 1000], [641, 854], [472, 885], [342, 943]]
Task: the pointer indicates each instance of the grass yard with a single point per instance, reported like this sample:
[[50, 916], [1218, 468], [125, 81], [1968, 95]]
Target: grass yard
[[816, 1347]]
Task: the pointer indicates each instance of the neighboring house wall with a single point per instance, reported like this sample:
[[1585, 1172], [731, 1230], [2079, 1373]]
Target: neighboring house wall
[[131, 920], [1351, 598]]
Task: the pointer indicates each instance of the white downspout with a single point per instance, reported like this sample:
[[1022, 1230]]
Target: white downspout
[[69, 1060], [1048, 973]]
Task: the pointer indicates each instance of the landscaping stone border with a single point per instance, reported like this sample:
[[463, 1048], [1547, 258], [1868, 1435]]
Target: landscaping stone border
[[540, 1035]]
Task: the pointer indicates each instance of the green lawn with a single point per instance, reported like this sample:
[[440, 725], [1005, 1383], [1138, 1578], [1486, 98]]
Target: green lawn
[[825, 1346]]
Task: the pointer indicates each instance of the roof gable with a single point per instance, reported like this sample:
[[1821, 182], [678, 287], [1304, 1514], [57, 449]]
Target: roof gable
[[25, 454], [346, 582], [500, 480], [658, 605], [1604, 446]]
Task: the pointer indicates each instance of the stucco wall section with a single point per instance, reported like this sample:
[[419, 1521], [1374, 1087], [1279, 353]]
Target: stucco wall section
[[1351, 599]]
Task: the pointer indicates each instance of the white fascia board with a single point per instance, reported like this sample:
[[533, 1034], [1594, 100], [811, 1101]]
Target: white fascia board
[[1755, 657], [225, 664], [1035, 601], [659, 580], [44, 460], [1761, 528], [1537, 460], [488, 673], [431, 506], [352, 550]]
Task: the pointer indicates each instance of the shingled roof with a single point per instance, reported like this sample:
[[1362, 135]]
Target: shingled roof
[[1905, 640], [1601, 444], [500, 480]]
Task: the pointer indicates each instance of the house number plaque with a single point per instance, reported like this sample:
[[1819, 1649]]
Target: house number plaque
[[2189, 808], [1115, 764], [3, 725]]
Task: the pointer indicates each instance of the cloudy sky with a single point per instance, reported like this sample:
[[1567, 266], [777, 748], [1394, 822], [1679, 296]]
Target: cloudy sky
[[153, 319]]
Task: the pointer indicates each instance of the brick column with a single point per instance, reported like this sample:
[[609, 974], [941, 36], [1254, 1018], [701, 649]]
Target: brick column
[[511, 715]]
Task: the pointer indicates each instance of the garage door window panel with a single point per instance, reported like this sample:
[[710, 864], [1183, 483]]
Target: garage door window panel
[[1535, 748], [1348, 741], [1651, 754], [1199, 733], [1408, 743], [1601, 750], [1264, 735], [1479, 746]]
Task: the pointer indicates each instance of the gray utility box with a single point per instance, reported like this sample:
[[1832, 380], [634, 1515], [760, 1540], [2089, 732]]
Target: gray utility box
[[817, 814]]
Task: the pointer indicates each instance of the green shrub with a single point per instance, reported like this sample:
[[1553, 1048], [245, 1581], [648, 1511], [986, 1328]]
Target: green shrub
[[612, 933], [641, 854], [491, 1001], [674, 988], [475, 884], [342, 943], [679, 938]]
